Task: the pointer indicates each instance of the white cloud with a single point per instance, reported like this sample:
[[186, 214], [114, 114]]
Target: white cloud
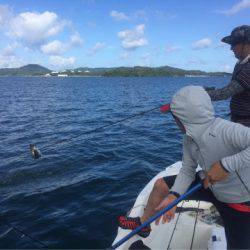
[[244, 4], [75, 40], [32, 31], [132, 39], [61, 62], [118, 16], [5, 15], [203, 43], [34, 28], [54, 48], [57, 48], [133, 44], [164, 15], [170, 48], [11, 62], [8, 58], [96, 48]]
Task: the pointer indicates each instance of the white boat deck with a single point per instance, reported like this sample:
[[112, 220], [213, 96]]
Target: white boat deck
[[188, 230]]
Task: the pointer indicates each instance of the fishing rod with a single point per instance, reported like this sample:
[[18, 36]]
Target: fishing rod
[[202, 175], [158, 215], [36, 152]]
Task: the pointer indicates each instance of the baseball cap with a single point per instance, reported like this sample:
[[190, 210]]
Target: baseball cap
[[240, 34]]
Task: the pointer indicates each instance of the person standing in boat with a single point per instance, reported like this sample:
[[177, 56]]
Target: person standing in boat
[[222, 149], [239, 87]]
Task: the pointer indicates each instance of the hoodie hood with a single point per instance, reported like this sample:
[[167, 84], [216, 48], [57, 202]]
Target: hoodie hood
[[193, 107]]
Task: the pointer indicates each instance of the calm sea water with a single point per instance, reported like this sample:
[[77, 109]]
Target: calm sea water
[[72, 196]]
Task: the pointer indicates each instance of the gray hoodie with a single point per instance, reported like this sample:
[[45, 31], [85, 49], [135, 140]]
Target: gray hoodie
[[209, 140]]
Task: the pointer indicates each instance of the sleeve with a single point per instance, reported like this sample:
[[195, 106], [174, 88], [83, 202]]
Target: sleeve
[[226, 92], [187, 173], [243, 77], [239, 137]]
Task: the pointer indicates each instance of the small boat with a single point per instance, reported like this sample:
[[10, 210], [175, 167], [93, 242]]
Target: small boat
[[197, 224]]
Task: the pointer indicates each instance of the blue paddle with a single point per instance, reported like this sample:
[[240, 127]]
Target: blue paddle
[[157, 215]]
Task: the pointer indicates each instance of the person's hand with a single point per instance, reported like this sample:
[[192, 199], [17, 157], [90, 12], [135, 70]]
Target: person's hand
[[215, 174], [169, 214]]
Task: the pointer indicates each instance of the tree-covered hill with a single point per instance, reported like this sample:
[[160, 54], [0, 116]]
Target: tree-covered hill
[[37, 70], [27, 70]]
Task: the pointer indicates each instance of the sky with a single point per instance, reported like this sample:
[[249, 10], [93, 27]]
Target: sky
[[63, 34]]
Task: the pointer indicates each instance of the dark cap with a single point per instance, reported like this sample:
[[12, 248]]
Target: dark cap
[[240, 34]]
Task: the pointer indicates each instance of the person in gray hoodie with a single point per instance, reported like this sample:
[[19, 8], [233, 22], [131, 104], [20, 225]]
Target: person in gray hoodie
[[222, 149]]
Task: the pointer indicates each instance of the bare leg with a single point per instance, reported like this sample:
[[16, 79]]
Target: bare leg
[[159, 192]]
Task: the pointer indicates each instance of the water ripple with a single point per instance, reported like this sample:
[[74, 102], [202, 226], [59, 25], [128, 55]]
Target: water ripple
[[71, 197]]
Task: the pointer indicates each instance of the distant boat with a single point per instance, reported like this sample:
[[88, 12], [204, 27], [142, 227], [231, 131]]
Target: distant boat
[[196, 224], [62, 75]]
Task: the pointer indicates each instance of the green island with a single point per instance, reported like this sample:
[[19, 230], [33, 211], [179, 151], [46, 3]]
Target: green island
[[137, 71]]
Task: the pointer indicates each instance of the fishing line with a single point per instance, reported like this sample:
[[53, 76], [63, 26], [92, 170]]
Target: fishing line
[[36, 153], [20, 231], [196, 220]]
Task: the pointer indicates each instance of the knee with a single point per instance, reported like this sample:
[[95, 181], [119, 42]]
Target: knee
[[160, 186]]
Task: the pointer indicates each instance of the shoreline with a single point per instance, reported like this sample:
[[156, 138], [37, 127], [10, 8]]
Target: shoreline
[[63, 77]]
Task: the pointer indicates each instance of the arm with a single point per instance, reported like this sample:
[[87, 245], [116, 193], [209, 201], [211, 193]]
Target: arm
[[238, 136], [226, 92], [182, 182], [187, 172]]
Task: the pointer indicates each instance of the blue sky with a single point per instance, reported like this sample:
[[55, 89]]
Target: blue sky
[[62, 34]]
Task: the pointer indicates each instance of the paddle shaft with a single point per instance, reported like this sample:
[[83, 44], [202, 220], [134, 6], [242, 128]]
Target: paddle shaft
[[157, 215]]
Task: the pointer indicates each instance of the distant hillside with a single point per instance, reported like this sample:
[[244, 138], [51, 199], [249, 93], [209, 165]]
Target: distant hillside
[[27, 70], [148, 71], [158, 71], [37, 70], [140, 71]]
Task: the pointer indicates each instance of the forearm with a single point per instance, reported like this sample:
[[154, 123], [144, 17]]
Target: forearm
[[226, 92]]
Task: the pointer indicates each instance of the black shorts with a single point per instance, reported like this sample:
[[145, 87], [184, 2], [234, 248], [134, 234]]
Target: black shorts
[[202, 195], [236, 223]]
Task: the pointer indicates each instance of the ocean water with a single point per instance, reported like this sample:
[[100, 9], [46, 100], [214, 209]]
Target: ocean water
[[72, 196]]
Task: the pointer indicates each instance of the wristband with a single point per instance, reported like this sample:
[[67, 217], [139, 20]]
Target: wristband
[[175, 194]]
